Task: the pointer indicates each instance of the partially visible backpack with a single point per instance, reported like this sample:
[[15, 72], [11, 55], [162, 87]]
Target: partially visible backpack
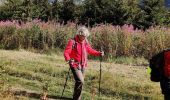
[[156, 63], [160, 66], [166, 68]]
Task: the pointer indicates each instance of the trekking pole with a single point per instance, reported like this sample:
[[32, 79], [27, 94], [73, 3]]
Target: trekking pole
[[65, 82], [100, 71]]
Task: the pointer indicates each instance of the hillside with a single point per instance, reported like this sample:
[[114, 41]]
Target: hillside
[[25, 75]]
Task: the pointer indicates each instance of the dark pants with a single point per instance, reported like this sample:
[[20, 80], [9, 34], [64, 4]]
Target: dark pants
[[78, 74], [166, 96], [165, 87]]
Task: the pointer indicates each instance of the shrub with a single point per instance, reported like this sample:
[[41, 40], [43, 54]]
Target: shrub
[[116, 41]]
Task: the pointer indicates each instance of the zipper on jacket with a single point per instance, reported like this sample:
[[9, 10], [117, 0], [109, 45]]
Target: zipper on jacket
[[81, 54]]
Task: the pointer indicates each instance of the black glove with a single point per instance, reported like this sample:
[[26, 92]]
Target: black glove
[[70, 61]]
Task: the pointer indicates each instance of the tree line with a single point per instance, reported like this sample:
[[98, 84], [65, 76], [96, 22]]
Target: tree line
[[140, 13]]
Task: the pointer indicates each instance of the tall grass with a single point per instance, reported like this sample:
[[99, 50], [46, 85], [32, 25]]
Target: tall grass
[[115, 40]]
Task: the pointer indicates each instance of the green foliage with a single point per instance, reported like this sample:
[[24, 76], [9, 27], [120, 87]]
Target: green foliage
[[140, 13], [9, 37], [152, 12], [152, 46], [67, 10]]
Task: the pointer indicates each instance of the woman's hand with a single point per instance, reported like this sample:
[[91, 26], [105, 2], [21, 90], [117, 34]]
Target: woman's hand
[[71, 61], [102, 53]]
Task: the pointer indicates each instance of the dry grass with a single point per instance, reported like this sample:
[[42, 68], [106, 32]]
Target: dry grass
[[29, 71]]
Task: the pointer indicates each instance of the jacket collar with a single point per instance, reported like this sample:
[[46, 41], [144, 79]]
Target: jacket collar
[[77, 39]]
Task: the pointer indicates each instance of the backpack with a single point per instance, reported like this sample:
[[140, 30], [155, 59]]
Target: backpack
[[156, 64], [166, 68], [160, 66]]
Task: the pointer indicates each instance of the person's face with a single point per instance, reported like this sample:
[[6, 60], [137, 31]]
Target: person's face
[[81, 37]]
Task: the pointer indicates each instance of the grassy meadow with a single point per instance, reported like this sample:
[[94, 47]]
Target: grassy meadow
[[32, 62], [26, 76]]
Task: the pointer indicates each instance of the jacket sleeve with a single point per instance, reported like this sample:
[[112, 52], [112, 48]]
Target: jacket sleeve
[[67, 50], [92, 51]]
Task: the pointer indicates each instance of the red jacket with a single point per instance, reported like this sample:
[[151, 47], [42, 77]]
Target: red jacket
[[79, 52]]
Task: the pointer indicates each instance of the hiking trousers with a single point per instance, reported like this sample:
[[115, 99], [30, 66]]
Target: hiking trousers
[[78, 74]]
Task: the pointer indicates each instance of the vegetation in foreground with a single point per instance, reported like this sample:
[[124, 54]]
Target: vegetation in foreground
[[26, 75]]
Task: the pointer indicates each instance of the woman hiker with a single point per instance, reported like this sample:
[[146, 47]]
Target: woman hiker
[[75, 54]]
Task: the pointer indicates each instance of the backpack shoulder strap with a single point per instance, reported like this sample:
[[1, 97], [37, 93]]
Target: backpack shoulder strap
[[74, 43]]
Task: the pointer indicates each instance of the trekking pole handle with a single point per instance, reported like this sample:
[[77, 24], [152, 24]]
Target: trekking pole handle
[[102, 52], [101, 49]]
